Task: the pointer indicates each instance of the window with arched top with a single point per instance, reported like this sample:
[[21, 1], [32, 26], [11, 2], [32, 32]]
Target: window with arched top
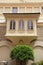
[[21, 24], [30, 25], [12, 24]]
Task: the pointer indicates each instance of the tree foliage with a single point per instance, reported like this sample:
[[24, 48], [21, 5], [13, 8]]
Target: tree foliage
[[22, 52], [40, 62]]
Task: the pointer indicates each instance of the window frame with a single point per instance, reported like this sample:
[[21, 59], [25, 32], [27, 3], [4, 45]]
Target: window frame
[[12, 23], [29, 25], [16, 9], [21, 25], [42, 9]]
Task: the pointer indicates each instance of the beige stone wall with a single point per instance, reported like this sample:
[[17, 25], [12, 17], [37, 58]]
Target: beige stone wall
[[16, 35], [5, 46], [2, 31], [21, 1], [22, 8], [5, 49], [38, 50], [38, 44], [40, 31]]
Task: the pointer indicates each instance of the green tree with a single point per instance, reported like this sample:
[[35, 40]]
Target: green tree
[[22, 53]]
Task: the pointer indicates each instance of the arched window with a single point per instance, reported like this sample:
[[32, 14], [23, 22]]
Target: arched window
[[12, 24], [30, 24], [21, 24]]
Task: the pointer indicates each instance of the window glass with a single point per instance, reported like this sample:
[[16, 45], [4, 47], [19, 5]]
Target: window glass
[[21, 24], [14, 10], [30, 24], [12, 25], [41, 9]]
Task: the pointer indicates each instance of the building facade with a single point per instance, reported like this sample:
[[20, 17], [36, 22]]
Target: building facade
[[21, 23]]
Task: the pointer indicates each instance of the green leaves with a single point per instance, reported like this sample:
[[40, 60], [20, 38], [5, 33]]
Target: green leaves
[[22, 52], [40, 62]]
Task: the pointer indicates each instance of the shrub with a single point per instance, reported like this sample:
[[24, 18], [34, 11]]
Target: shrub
[[22, 52], [34, 64], [40, 62]]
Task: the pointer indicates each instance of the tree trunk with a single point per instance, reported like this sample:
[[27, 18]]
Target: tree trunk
[[18, 62]]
